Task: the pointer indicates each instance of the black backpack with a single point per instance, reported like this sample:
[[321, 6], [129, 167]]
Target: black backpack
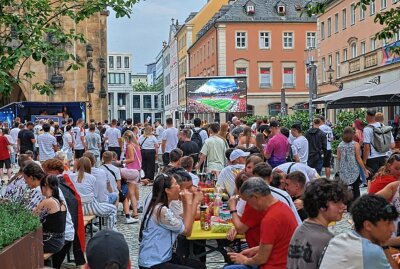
[[196, 137]]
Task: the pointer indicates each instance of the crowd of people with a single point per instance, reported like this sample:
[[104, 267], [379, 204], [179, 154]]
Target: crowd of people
[[281, 194]]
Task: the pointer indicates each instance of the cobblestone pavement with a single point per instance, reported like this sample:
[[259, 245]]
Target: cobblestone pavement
[[214, 260]]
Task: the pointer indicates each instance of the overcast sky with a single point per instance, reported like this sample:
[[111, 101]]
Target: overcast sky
[[143, 34]]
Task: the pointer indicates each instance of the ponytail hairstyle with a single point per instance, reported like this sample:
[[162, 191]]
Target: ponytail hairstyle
[[84, 165], [51, 181], [34, 170], [161, 182]]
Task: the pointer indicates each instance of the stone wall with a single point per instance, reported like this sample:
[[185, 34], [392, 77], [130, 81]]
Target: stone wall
[[74, 89]]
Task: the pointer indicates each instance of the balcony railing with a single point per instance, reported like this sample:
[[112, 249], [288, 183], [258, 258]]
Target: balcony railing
[[361, 63]]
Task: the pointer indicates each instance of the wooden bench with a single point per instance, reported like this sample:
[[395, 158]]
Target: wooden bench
[[48, 260]]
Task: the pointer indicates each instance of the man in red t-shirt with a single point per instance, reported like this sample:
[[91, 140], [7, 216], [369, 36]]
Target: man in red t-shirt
[[276, 229], [4, 156]]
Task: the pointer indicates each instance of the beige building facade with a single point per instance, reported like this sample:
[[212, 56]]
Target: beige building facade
[[346, 45], [88, 84]]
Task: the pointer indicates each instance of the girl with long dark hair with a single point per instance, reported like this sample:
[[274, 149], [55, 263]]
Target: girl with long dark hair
[[160, 227], [53, 213]]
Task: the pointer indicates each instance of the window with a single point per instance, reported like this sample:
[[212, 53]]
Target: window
[[310, 40], [130, 78], [337, 65], [353, 48], [162, 100], [126, 62], [136, 118], [121, 115], [344, 55], [116, 78], [363, 50], [156, 101], [136, 102], [329, 27], [323, 70], [288, 40], [384, 42], [110, 98], [110, 61], [157, 117], [344, 19], [336, 23], [372, 44], [241, 40], [322, 30], [288, 77], [265, 77], [264, 40], [383, 4], [241, 71], [121, 99], [146, 101], [362, 14], [352, 14], [119, 62], [250, 9], [372, 7], [281, 10]]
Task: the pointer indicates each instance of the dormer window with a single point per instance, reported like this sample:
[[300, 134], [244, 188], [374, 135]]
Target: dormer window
[[281, 9], [250, 9]]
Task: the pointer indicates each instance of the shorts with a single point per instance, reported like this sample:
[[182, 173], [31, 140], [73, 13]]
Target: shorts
[[79, 153], [6, 162], [112, 198], [327, 158]]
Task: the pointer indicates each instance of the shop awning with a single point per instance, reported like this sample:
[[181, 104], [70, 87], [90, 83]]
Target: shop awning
[[368, 95]]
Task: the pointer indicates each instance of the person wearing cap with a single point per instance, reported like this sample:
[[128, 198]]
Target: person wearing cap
[[226, 178], [277, 147], [107, 250]]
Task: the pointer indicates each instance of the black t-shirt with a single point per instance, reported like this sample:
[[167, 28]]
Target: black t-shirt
[[25, 137], [190, 148]]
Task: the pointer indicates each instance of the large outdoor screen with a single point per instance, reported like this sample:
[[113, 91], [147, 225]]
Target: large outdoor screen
[[216, 94]]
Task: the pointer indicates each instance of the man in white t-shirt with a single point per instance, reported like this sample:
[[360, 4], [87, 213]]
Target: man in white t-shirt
[[47, 144], [169, 140], [329, 138], [371, 157], [79, 138], [113, 138], [226, 179], [287, 168], [68, 143], [158, 134], [299, 144]]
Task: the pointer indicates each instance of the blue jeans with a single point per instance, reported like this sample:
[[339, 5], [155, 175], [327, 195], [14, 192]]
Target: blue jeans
[[240, 266]]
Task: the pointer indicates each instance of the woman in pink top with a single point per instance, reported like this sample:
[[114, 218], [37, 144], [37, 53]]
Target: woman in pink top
[[133, 161]]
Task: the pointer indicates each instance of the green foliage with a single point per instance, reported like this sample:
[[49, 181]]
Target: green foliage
[[34, 29], [250, 119], [144, 87], [298, 117], [389, 19], [15, 222], [343, 120]]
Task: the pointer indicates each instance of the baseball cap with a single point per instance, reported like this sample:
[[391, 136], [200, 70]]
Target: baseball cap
[[274, 124], [105, 248], [237, 153]]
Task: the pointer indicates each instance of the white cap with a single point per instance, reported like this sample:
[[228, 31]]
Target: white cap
[[237, 153]]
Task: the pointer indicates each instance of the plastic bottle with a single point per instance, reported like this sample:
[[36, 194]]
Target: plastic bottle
[[217, 204]]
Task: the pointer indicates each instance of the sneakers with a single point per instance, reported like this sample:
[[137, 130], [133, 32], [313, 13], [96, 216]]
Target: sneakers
[[131, 220]]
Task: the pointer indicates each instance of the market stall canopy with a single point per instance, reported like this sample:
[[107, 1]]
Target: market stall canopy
[[368, 95]]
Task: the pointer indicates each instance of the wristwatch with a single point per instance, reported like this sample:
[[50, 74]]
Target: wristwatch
[[233, 211]]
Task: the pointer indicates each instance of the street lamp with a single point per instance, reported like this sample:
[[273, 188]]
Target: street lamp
[[312, 79], [337, 84]]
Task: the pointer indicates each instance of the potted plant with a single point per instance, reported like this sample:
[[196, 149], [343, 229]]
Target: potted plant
[[21, 240]]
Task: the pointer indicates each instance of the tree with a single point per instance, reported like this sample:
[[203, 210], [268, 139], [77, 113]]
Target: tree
[[389, 19], [33, 29]]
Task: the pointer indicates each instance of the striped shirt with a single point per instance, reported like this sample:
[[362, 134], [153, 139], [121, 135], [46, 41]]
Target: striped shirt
[[46, 142]]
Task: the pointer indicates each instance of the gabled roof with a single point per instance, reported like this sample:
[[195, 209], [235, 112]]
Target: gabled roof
[[265, 11]]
